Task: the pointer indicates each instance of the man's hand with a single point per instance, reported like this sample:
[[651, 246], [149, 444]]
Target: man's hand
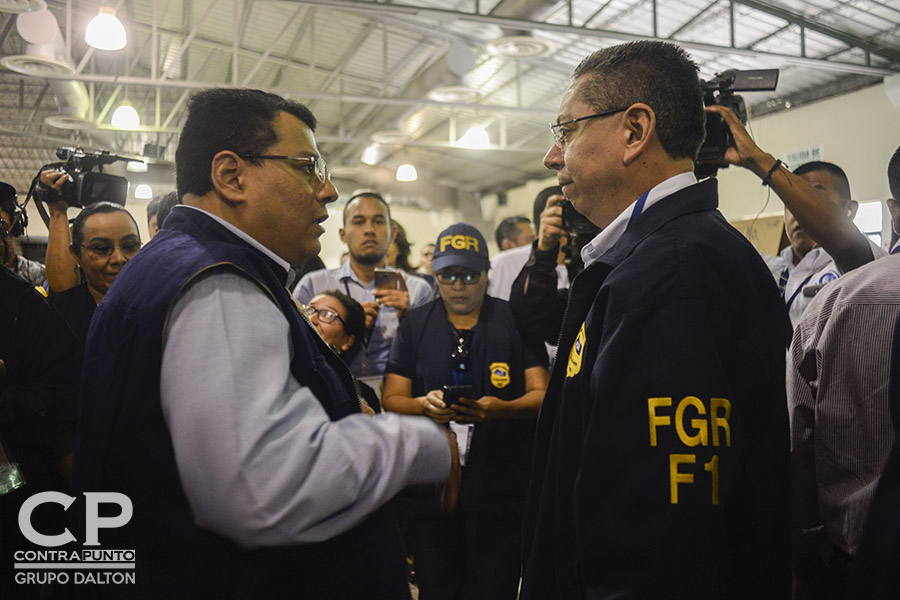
[[449, 491], [398, 299], [744, 153], [550, 230], [371, 311], [478, 411], [433, 406]]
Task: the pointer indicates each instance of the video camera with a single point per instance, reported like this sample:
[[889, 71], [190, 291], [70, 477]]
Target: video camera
[[580, 231], [720, 90], [83, 186]]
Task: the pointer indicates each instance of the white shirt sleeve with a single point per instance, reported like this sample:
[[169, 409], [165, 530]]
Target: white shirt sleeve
[[260, 461]]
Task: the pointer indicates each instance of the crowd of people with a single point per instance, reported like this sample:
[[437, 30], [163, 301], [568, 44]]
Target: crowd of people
[[649, 410]]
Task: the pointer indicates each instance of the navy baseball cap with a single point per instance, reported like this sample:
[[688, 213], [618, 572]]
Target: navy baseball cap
[[461, 245]]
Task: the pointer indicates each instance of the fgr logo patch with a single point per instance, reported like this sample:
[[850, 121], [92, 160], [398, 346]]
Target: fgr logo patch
[[94, 566], [499, 374], [576, 354]]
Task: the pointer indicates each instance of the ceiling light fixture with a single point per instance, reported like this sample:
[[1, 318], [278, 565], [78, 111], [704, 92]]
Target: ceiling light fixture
[[406, 172], [105, 31], [126, 117], [143, 192], [475, 138]]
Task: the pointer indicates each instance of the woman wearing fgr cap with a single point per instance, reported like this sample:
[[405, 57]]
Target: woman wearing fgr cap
[[466, 338]]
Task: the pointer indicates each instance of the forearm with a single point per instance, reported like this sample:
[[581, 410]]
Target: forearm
[[524, 407], [61, 266], [825, 222], [404, 404], [534, 298]]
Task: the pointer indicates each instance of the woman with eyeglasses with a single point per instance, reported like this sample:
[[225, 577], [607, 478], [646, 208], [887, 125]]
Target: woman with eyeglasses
[[104, 237], [341, 321], [467, 341]]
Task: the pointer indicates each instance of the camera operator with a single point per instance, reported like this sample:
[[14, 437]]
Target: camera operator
[[818, 218], [540, 291], [12, 225], [62, 269]]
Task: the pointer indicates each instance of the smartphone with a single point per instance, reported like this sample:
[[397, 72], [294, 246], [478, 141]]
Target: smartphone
[[385, 279], [452, 394]]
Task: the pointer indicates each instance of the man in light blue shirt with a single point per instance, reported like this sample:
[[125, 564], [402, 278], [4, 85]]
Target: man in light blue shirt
[[368, 233]]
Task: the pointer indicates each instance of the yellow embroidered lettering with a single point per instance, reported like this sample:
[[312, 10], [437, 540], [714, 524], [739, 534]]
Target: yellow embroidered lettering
[[698, 424], [720, 422], [655, 421], [676, 477]]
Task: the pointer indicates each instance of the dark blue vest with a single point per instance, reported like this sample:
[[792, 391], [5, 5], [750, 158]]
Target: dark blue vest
[[124, 446]]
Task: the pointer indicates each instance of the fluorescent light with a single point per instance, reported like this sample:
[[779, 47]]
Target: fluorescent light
[[105, 31], [406, 172], [143, 192], [126, 117], [475, 138], [370, 155], [136, 166]]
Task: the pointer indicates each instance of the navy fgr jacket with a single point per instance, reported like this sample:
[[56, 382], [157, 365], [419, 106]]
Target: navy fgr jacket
[[662, 461]]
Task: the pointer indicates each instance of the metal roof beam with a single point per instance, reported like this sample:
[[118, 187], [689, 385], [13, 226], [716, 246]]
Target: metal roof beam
[[368, 7], [891, 54]]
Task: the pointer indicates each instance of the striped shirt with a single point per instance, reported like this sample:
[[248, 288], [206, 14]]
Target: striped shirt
[[837, 384]]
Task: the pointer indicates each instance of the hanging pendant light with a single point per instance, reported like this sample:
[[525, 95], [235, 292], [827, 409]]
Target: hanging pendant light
[[126, 117], [105, 31]]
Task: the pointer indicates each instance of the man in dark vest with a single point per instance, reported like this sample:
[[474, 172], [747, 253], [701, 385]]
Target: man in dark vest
[[211, 402], [662, 461]]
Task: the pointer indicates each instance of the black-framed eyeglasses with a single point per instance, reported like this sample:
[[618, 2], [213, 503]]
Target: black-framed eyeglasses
[[326, 315], [316, 164], [559, 135], [128, 247], [451, 277]]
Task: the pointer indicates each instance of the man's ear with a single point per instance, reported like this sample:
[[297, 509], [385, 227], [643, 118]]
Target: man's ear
[[506, 245], [894, 209], [640, 128], [852, 207], [341, 233], [227, 172]]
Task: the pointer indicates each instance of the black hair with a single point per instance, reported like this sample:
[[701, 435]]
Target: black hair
[[153, 209], [403, 248], [540, 201], [166, 204], [240, 120], [894, 175], [659, 74], [94, 209], [355, 321], [508, 229], [834, 170], [369, 194]]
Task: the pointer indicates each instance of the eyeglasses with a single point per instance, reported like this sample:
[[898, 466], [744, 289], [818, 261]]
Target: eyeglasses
[[451, 277], [315, 164], [326, 315], [560, 134], [129, 248]]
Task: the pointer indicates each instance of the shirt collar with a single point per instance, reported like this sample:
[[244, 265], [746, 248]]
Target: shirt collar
[[345, 271], [250, 240], [607, 238]]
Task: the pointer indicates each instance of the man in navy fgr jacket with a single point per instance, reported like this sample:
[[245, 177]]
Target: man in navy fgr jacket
[[662, 465]]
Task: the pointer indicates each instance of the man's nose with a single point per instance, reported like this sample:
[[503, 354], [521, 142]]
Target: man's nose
[[554, 158], [327, 192]]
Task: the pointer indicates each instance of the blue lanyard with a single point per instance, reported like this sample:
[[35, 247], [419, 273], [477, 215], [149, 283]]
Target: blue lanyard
[[787, 305], [638, 208]]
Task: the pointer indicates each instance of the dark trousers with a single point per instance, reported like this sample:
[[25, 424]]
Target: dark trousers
[[467, 557]]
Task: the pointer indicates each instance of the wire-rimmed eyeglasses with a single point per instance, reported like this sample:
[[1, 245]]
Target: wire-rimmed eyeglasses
[[316, 164], [559, 135]]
